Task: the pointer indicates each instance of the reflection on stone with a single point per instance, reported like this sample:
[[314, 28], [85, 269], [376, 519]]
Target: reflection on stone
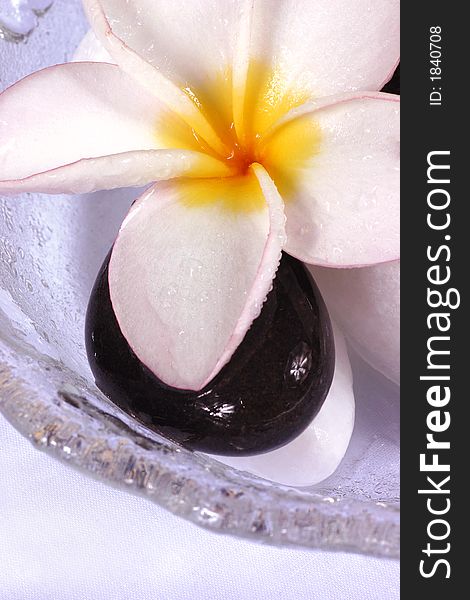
[[299, 364]]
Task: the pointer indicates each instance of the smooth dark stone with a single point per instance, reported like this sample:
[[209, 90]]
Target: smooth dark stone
[[266, 396]]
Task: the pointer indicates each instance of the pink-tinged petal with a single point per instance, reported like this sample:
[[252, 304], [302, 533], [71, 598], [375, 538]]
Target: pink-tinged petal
[[336, 164], [366, 303], [326, 47], [74, 112], [191, 267], [267, 268], [127, 169], [186, 41], [125, 32], [317, 452]]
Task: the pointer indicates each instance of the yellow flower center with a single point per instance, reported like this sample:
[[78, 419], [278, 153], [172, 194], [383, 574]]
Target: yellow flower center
[[282, 150]]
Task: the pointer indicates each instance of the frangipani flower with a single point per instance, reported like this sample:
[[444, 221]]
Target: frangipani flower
[[366, 304], [257, 128]]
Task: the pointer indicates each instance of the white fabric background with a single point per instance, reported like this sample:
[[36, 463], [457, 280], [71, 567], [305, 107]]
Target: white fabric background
[[64, 536]]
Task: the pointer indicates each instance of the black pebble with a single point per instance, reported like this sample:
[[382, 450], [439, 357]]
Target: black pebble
[[270, 391]]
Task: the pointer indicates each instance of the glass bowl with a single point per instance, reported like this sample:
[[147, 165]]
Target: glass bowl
[[50, 251]]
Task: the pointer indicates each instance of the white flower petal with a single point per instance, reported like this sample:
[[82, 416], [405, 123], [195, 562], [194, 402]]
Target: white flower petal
[[313, 47], [317, 452], [186, 41], [328, 46], [127, 169], [85, 126], [123, 29], [342, 194], [366, 303], [190, 270]]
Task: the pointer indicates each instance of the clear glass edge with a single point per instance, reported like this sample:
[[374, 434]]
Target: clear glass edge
[[196, 488]]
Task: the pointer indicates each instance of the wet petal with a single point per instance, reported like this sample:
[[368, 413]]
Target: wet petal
[[342, 188], [366, 303], [84, 126], [291, 50], [325, 47], [317, 452], [190, 270], [127, 169], [187, 42], [127, 32]]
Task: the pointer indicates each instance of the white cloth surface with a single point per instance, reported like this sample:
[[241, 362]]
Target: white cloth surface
[[65, 536]]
